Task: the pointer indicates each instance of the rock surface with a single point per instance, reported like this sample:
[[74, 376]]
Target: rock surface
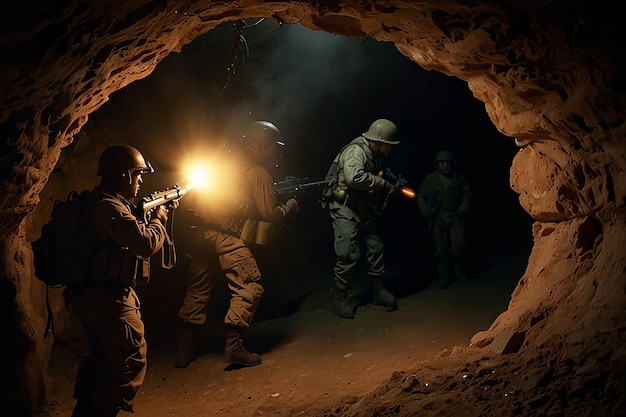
[[550, 75]]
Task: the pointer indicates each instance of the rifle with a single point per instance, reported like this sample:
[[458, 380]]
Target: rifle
[[156, 199], [399, 182], [293, 186], [169, 197]]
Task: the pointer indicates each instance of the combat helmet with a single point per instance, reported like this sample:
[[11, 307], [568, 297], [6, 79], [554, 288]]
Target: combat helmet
[[382, 130], [444, 156], [263, 132], [122, 160]]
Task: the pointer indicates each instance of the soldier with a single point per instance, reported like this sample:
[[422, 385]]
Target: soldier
[[106, 303], [352, 206], [444, 199], [228, 234]]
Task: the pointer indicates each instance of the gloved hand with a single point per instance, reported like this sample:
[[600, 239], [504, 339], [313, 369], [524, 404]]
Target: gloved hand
[[173, 205], [160, 214], [293, 206]]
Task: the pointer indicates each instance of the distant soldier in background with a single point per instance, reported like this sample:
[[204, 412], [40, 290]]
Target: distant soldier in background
[[351, 201], [226, 234], [444, 200]]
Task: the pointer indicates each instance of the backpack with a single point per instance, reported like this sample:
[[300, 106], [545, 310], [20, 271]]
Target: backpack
[[62, 253]]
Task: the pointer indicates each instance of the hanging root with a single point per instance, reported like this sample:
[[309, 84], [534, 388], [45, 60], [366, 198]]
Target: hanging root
[[230, 69], [239, 43]]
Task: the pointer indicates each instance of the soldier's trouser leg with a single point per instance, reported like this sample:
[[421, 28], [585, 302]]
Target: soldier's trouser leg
[[200, 283], [347, 250], [243, 277], [193, 312], [441, 238], [376, 262], [457, 249], [109, 378]]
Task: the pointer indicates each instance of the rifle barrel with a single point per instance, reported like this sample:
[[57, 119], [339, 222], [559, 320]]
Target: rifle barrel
[[162, 197], [288, 186]]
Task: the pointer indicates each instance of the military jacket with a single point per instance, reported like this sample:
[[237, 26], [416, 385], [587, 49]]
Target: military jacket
[[125, 242], [358, 176], [442, 198]]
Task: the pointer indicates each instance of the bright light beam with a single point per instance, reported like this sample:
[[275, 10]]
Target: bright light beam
[[199, 176]]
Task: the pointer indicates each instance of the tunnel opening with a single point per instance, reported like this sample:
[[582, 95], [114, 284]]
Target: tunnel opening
[[538, 120], [186, 99], [321, 90]]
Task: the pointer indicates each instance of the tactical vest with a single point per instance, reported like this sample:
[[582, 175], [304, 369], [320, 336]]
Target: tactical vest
[[361, 201]]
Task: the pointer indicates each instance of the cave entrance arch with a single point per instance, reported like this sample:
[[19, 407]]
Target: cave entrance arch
[[184, 98], [69, 163], [493, 47]]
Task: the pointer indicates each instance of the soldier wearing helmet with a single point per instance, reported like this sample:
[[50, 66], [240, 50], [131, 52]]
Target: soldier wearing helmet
[[228, 235], [444, 199], [106, 304], [122, 160], [263, 133], [352, 211]]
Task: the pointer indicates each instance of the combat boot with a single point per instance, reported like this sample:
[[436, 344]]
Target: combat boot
[[186, 352], [235, 353], [382, 297], [340, 304]]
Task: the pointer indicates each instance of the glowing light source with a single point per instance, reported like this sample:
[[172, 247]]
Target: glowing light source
[[199, 176], [407, 192], [214, 176]]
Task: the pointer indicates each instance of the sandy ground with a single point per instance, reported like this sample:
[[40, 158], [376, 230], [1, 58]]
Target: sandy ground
[[312, 360]]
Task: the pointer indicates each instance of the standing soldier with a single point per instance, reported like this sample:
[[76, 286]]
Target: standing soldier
[[352, 205], [227, 235], [444, 200], [106, 303]]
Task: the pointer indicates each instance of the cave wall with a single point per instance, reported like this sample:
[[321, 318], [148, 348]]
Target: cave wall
[[549, 72]]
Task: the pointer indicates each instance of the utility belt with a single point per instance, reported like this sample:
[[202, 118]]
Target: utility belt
[[348, 197], [256, 232], [113, 270], [119, 265], [333, 193]]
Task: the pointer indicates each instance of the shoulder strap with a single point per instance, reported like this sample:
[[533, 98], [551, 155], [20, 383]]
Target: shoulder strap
[[354, 142]]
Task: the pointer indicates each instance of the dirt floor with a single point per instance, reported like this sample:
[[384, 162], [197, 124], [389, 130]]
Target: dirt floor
[[312, 360]]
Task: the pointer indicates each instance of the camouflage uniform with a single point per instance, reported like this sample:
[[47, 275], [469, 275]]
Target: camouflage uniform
[[353, 221], [445, 201], [221, 235], [108, 308]]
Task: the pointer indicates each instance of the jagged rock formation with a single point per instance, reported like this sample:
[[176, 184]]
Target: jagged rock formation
[[551, 75]]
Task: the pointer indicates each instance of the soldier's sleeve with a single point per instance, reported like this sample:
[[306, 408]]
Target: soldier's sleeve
[[466, 196], [354, 161], [115, 222], [268, 206], [427, 197], [422, 198]]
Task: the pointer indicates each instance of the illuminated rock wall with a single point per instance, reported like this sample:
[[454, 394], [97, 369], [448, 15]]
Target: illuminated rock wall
[[550, 76]]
